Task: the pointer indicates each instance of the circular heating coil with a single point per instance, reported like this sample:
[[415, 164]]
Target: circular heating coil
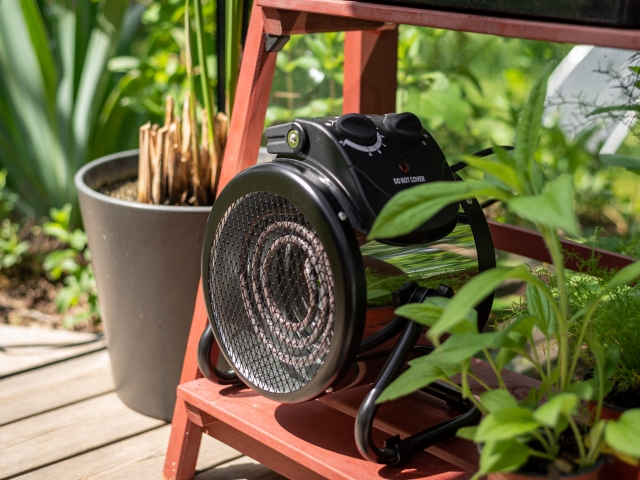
[[309, 332], [284, 282]]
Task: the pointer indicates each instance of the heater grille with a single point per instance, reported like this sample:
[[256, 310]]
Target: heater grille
[[272, 292]]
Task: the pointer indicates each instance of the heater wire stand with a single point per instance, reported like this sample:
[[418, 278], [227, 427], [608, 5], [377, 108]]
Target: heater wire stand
[[395, 450], [210, 372]]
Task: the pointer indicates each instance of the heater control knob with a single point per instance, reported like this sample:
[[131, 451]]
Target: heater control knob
[[404, 125], [358, 128]]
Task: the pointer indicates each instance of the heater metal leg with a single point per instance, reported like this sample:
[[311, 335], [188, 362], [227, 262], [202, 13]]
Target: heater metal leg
[[205, 346], [395, 450]]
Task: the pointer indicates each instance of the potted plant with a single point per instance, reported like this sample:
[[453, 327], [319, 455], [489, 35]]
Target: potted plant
[[548, 432], [146, 238], [616, 323]]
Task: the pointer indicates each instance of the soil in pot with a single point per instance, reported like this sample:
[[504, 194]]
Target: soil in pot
[[623, 400]]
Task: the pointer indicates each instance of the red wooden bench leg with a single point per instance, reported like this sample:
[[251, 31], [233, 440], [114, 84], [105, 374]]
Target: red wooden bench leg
[[370, 71], [245, 133], [184, 444], [252, 98]]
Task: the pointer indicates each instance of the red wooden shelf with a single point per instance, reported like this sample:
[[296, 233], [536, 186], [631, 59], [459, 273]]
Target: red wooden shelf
[[315, 439], [504, 27]]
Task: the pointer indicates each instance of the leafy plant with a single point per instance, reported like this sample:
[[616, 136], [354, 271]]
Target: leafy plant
[[54, 82], [615, 321], [513, 430], [12, 247], [72, 264]]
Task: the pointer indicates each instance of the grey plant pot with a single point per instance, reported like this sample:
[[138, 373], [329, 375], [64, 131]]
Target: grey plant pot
[[146, 260]]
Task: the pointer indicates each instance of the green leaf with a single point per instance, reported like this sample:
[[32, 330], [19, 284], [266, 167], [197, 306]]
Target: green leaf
[[584, 389], [506, 424], [56, 231], [523, 325], [625, 276], [504, 456], [615, 108], [540, 307], [410, 208], [530, 122], [428, 312], [463, 346], [471, 294], [624, 161], [496, 400], [468, 433], [418, 376], [500, 170], [550, 412], [425, 313], [510, 349], [377, 293], [623, 435], [553, 208]]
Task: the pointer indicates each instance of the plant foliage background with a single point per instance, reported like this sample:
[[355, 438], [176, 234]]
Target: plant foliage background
[[79, 78]]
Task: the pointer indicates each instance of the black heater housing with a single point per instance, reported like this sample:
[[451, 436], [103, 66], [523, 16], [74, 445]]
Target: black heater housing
[[284, 279]]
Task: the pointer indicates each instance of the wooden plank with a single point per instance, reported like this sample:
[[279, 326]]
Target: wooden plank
[[250, 105], [66, 432], [284, 22], [54, 386], [530, 243], [140, 457], [466, 22], [18, 360], [370, 71], [300, 440], [244, 468]]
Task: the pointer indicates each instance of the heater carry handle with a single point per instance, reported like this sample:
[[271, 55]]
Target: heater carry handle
[[396, 451]]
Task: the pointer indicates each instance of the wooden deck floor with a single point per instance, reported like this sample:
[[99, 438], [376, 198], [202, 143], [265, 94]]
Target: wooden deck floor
[[61, 419]]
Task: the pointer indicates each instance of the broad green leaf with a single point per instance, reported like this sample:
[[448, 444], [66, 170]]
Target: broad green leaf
[[523, 325], [410, 208], [510, 349], [506, 424], [502, 171], [468, 433], [625, 161], [550, 412], [540, 307], [584, 390], [504, 456], [463, 346], [623, 435], [625, 276], [553, 208], [418, 376], [530, 122], [425, 313], [428, 312], [471, 294], [496, 400]]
